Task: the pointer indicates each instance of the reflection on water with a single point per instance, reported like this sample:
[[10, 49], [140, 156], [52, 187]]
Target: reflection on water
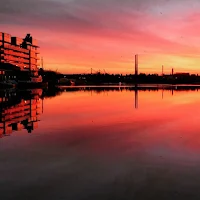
[[19, 110], [22, 109], [101, 143]]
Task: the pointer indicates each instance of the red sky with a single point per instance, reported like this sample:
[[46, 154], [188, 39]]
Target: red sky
[[76, 35]]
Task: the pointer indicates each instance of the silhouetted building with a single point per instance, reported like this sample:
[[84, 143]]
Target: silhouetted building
[[19, 52], [182, 74]]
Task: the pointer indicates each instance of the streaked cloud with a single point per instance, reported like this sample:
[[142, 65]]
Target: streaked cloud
[[77, 30]]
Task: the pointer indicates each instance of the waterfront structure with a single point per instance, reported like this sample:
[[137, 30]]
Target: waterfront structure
[[17, 113], [21, 53]]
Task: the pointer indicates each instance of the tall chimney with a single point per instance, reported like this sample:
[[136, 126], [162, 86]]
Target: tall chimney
[[136, 64]]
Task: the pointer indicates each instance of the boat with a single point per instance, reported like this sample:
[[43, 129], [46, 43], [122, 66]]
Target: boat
[[8, 84], [34, 82]]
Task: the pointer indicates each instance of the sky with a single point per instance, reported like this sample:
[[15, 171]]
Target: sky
[[77, 35]]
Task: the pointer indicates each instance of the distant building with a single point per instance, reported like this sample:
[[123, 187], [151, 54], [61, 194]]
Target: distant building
[[19, 52], [182, 74]]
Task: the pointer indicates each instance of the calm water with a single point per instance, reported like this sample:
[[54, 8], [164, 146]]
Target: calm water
[[100, 144]]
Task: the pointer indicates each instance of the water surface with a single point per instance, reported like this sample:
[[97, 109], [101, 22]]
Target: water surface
[[102, 144]]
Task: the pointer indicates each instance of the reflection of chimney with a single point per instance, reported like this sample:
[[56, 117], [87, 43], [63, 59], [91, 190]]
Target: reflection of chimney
[[136, 65], [136, 98]]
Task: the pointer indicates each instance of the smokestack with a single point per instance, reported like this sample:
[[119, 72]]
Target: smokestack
[[172, 71], [162, 70], [136, 64], [136, 98]]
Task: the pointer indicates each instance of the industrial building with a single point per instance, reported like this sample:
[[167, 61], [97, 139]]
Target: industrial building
[[19, 58]]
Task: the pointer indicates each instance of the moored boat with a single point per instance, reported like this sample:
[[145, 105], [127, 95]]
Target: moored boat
[[8, 84]]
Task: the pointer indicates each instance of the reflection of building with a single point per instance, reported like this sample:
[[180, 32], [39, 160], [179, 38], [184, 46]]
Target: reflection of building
[[18, 113]]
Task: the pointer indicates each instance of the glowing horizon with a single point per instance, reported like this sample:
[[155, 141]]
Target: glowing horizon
[[77, 35]]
